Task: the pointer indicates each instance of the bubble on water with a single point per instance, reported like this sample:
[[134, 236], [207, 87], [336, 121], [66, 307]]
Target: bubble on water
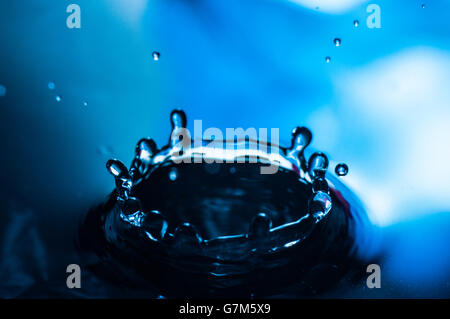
[[327, 59], [260, 226], [173, 174], [187, 235], [341, 169], [51, 85], [2, 90], [58, 98], [156, 55], [337, 42], [356, 23]]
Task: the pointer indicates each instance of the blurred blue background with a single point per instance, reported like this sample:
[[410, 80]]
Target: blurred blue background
[[381, 105]]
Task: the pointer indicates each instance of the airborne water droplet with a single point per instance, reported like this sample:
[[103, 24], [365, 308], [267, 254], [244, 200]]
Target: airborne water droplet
[[327, 59], [337, 42], [85, 103], [58, 98], [155, 55], [423, 6], [2, 90], [341, 169], [173, 174], [356, 23]]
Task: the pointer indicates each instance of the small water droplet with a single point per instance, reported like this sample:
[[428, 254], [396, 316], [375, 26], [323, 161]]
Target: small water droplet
[[301, 137], [423, 5], [173, 174], [356, 23], [341, 169], [327, 59], [85, 103], [51, 85], [2, 90], [145, 149], [260, 226], [58, 98], [156, 55], [337, 42], [154, 225], [178, 119], [317, 165], [320, 205], [116, 168], [187, 234]]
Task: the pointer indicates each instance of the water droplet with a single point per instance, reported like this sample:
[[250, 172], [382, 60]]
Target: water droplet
[[173, 174], [301, 138], [51, 85], [320, 205], [178, 118], [327, 59], [341, 169], [317, 165], [58, 98], [187, 234], [260, 226], [337, 42], [156, 55], [85, 103], [423, 5], [356, 23], [2, 90], [116, 168], [155, 225], [145, 149]]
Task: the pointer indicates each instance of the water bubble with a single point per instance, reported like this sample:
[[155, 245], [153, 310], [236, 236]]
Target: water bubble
[[51, 85], [317, 165], [187, 234], [356, 23], [116, 168], [2, 90], [341, 169], [145, 149], [58, 98], [260, 226], [156, 55], [320, 205], [154, 225], [337, 42], [327, 59], [301, 138], [173, 174], [178, 119]]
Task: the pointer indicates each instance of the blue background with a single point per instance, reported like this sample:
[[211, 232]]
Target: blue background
[[381, 105]]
